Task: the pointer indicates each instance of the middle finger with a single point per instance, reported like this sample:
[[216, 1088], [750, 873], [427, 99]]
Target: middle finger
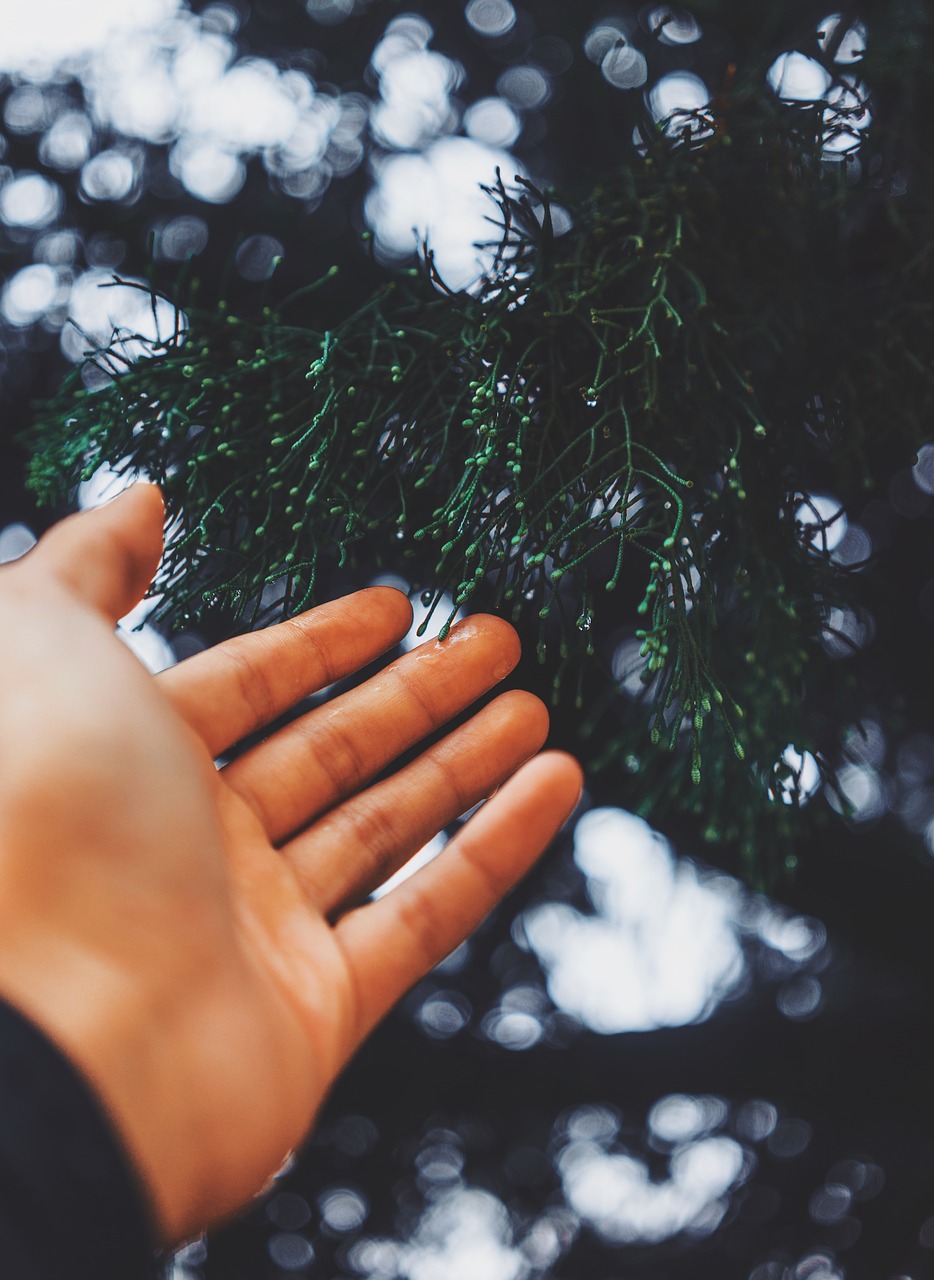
[[319, 759]]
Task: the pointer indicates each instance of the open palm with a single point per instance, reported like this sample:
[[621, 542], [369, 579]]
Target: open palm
[[209, 956]]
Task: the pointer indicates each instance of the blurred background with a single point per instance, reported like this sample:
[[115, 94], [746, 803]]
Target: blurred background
[[639, 1066]]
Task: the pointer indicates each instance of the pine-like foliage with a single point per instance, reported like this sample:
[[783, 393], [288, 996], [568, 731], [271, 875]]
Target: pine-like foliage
[[613, 439]]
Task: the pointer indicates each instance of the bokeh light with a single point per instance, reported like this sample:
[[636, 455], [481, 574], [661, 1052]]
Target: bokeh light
[[859, 793], [493, 122], [614, 1193], [47, 32], [605, 36], [680, 100], [101, 311], [797, 78], [164, 76], [624, 67], [30, 200], [798, 776], [526, 87], [15, 540], [66, 145], [415, 88], [31, 293], [490, 17], [182, 238], [850, 42], [923, 469], [343, 1209], [664, 944], [435, 196], [821, 521], [111, 175], [673, 25]]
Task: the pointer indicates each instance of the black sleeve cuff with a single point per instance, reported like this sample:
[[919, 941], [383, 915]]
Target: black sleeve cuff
[[70, 1203]]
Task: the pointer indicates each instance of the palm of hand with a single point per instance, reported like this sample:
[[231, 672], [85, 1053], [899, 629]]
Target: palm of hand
[[230, 900]]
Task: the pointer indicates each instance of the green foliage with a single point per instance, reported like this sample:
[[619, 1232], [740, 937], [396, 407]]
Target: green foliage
[[615, 434]]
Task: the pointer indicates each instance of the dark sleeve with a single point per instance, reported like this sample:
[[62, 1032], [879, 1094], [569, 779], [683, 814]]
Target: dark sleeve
[[70, 1203]]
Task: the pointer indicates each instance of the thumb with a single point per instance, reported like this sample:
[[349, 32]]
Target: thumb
[[106, 556]]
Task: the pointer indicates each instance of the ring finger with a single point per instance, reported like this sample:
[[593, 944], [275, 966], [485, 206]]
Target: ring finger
[[358, 845]]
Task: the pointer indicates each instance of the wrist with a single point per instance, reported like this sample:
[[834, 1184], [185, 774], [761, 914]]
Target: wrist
[[158, 1057], [102, 1022], [58, 1147]]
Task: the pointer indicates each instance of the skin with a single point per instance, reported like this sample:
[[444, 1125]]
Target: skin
[[199, 940]]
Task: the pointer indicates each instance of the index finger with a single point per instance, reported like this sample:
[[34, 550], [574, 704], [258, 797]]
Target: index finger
[[241, 685]]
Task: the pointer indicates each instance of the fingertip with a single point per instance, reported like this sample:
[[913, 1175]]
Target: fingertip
[[568, 768], [520, 704], [568, 764], [397, 605], [498, 634], [558, 776], [383, 608], [388, 608], [143, 491]]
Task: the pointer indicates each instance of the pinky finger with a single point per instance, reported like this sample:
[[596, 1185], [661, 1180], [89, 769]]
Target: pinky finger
[[391, 943]]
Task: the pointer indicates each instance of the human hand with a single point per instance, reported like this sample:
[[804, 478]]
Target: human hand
[[198, 940]]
